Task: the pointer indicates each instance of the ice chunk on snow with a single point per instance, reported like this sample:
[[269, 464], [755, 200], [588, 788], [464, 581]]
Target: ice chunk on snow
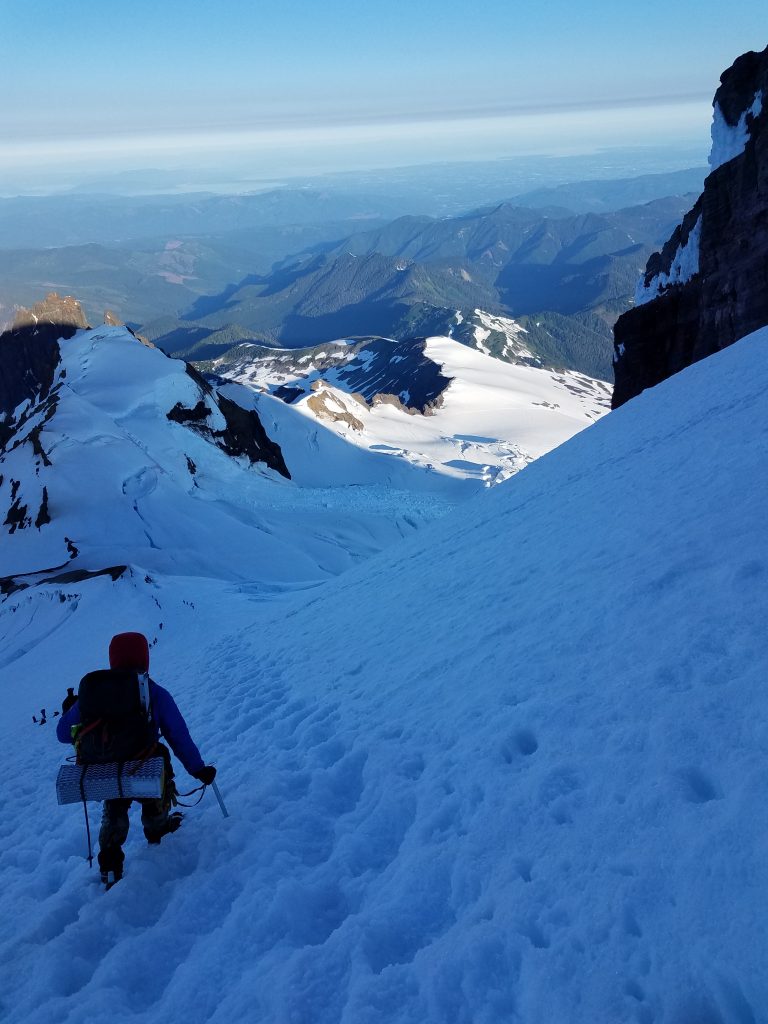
[[728, 141]]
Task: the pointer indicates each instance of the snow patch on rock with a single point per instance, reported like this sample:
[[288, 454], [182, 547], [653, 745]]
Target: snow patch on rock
[[684, 265], [729, 141], [511, 329]]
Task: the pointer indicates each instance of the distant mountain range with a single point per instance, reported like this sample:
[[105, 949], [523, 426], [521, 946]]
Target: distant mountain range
[[201, 273], [163, 276], [603, 196], [564, 277], [74, 219]]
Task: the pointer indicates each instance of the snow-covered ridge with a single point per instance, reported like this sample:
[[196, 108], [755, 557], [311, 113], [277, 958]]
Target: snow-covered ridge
[[685, 264], [128, 462], [730, 140]]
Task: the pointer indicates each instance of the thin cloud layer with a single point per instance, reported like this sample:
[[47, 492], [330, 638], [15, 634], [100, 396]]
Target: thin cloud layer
[[331, 145]]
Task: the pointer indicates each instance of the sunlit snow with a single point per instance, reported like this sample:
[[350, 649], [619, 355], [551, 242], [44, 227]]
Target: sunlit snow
[[496, 418]]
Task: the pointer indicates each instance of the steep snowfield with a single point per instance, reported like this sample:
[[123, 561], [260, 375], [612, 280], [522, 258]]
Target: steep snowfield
[[495, 419], [511, 769]]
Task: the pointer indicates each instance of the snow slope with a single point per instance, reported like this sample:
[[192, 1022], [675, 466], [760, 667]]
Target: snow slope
[[495, 418], [511, 769]]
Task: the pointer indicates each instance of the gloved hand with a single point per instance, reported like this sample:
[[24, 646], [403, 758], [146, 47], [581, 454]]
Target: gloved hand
[[206, 775], [69, 700]]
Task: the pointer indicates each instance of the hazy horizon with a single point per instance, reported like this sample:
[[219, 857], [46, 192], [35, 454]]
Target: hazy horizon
[[303, 90], [260, 159]]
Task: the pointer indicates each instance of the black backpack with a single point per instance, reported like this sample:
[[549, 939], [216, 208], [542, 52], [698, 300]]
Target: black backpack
[[115, 724]]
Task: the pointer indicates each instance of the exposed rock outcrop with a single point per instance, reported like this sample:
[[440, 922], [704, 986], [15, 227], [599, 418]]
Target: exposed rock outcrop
[[28, 360], [50, 577], [244, 433], [55, 309], [708, 286], [327, 406], [395, 369], [29, 354]]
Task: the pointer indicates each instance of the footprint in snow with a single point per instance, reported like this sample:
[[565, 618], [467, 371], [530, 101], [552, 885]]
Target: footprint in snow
[[697, 787], [520, 744]]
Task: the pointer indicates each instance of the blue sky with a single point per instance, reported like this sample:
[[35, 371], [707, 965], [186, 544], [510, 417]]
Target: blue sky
[[302, 86]]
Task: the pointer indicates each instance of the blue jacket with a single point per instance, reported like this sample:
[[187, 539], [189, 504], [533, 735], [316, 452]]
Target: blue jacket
[[168, 721]]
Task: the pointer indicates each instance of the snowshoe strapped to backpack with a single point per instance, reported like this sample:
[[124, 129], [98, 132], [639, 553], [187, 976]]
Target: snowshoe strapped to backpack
[[115, 725]]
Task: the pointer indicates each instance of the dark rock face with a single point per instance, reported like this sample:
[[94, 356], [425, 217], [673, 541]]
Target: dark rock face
[[180, 414], [690, 315], [244, 433], [401, 370], [28, 360], [372, 370], [31, 383], [29, 353], [10, 584]]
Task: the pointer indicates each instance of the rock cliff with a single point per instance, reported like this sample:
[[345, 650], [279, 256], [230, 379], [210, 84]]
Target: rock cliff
[[708, 286]]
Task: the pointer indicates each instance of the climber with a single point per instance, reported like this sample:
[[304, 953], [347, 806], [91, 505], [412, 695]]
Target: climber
[[108, 722]]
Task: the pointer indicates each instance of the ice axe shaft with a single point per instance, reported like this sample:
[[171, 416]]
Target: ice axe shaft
[[215, 789]]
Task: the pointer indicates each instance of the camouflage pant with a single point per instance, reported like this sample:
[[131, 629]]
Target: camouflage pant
[[154, 818]]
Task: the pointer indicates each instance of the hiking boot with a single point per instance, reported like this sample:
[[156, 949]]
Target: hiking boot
[[110, 878], [171, 824], [111, 865]]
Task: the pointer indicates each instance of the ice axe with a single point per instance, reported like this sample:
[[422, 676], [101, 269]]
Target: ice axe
[[215, 789]]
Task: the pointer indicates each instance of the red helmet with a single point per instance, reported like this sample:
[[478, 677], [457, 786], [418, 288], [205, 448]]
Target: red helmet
[[129, 650]]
